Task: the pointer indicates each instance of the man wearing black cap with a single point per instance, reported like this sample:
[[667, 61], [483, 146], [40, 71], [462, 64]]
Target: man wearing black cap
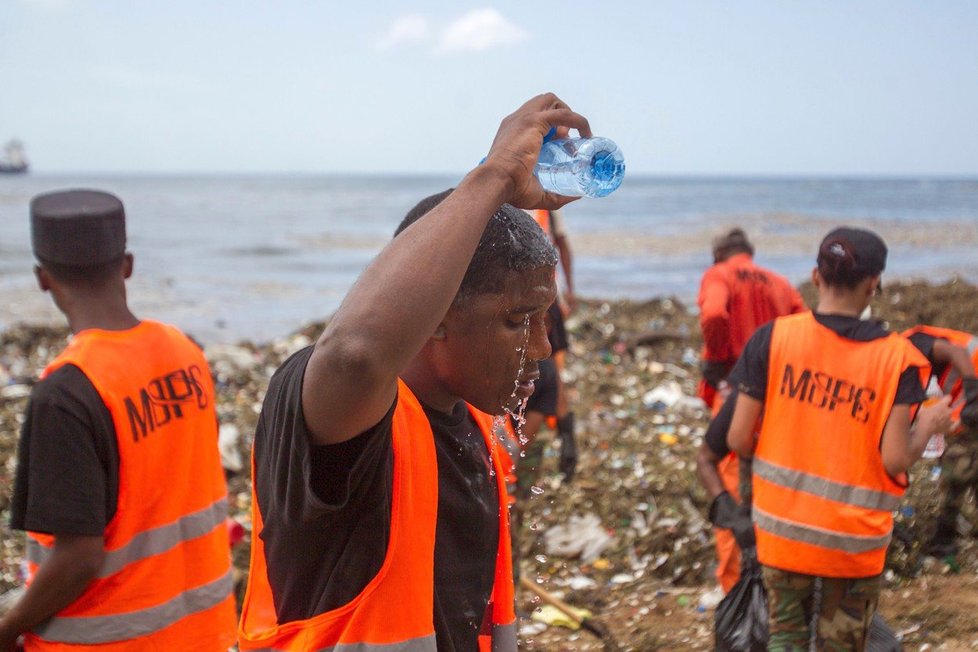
[[736, 296], [834, 395], [119, 484]]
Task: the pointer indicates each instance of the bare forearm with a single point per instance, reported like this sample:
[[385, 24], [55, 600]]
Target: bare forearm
[[415, 278], [58, 582], [397, 304], [740, 437], [946, 353], [902, 444], [706, 471]]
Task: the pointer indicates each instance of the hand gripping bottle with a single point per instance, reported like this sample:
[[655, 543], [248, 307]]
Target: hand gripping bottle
[[576, 167], [936, 444]]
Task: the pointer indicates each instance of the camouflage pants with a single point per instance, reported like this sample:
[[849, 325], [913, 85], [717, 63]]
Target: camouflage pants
[[959, 473], [845, 610]]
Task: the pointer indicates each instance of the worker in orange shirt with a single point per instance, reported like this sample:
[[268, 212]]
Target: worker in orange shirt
[[736, 296]]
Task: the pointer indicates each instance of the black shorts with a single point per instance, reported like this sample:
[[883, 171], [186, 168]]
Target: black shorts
[[556, 332], [544, 397]]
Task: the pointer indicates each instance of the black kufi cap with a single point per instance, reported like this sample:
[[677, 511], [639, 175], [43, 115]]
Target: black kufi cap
[[78, 228]]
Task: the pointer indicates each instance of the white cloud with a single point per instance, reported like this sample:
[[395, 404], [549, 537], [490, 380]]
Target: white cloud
[[48, 5], [404, 30], [478, 30]]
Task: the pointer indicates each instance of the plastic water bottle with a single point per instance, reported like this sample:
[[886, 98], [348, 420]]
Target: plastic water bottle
[[936, 444], [576, 167]]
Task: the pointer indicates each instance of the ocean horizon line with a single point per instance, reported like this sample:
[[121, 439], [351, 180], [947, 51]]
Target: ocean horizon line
[[410, 176]]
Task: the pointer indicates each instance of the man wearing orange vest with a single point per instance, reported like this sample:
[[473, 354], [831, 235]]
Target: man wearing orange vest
[[736, 297], [561, 417], [119, 481], [835, 442], [379, 510], [954, 373]]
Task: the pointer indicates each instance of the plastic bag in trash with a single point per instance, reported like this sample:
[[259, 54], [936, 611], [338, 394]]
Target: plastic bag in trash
[[581, 535], [741, 622]]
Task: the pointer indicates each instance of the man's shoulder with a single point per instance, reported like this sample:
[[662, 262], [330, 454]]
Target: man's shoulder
[[66, 380], [285, 385]]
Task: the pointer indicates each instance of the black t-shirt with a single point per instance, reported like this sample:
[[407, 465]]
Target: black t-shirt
[[749, 375], [67, 459], [326, 512], [925, 343]]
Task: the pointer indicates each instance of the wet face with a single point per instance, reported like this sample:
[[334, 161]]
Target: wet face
[[493, 342]]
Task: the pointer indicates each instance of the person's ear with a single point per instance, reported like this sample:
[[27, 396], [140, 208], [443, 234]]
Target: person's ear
[[127, 265], [43, 278], [440, 332], [816, 278], [874, 285]]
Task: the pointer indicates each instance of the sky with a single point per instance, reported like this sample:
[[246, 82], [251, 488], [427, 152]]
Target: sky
[[692, 87]]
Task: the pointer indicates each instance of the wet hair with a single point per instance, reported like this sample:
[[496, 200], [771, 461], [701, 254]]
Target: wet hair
[[837, 263], [87, 274], [511, 242]]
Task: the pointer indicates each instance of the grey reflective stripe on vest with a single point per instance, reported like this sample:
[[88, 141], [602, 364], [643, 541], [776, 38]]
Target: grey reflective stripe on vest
[[151, 542], [92, 630], [422, 644], [824, 488], [849, 543], [952, 375], [504, 638]]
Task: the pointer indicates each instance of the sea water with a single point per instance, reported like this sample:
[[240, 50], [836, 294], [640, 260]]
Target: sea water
[[255, 257]]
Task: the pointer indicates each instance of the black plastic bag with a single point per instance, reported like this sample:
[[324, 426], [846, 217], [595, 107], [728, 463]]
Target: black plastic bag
[[741, 620]]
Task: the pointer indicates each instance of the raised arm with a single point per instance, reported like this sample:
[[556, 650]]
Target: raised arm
[[402, 296]]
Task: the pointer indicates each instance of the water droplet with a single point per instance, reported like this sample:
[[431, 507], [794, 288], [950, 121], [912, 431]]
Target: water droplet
[[541, 558]]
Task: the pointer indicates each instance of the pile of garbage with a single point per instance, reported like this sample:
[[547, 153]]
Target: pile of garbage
[[627, 540]]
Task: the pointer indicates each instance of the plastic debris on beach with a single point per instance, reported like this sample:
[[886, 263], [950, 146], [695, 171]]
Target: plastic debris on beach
[[631, 376]]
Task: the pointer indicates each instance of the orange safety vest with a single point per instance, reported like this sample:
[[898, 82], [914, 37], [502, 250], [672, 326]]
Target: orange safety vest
[[823, 502], [542, 218], [509, 451], [166, 581], [949, 380], [395, 610]]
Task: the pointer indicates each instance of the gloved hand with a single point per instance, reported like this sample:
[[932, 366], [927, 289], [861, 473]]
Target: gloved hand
[[715, 371], [969, 413], [568, 446], [726, 513]]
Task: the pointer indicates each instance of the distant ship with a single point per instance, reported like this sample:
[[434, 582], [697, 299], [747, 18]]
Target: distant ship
[[15, 162]]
